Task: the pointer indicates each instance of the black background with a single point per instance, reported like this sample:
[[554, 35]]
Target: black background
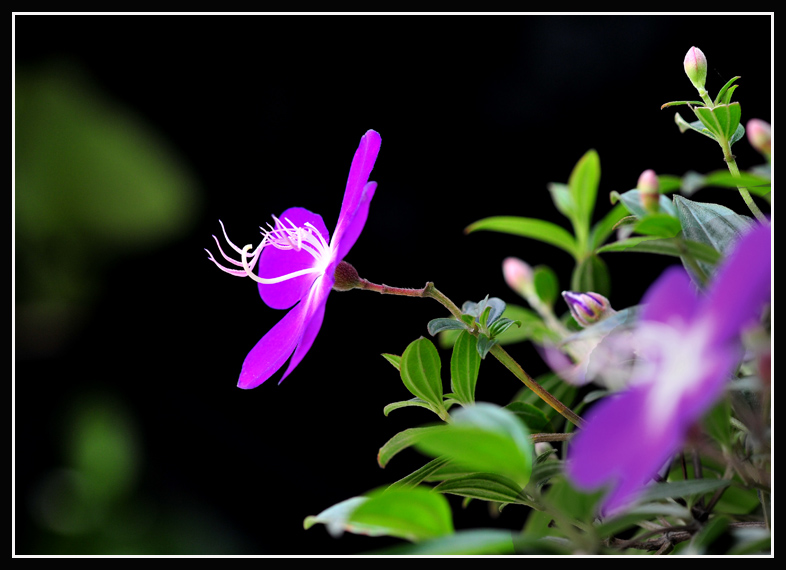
[[477, 114]]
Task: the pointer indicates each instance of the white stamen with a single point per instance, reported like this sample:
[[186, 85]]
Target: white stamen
[[286, 277], [280, 236]]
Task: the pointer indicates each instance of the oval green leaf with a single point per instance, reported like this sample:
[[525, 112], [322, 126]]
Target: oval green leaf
[[541, 230], [583, 185], [420, 371], [413, 514], [486, 487], [464, 367], [484, 438]]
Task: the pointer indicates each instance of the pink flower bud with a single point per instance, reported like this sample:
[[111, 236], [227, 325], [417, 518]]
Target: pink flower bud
[[648, 190], [518, 275], [760, 136], [696, 67], [587, 308]]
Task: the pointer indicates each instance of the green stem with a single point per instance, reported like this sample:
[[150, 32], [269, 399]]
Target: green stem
[[735, 172], [497, 351], [508, 362]]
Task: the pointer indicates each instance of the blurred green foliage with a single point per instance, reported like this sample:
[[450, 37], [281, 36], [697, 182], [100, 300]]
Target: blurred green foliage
[[93, 181]]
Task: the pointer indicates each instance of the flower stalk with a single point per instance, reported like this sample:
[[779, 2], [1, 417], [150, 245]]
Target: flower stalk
[[497, 351]]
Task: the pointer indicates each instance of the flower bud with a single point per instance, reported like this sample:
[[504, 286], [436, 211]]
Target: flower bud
[[346, 277], [696, 67], [760, 136], [518, 275], [587, 308], [648, 190]]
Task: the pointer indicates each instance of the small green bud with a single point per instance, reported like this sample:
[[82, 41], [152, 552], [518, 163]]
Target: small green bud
[[587, 308], [696, 68], [648, 191], [346, 277], [760, 136]]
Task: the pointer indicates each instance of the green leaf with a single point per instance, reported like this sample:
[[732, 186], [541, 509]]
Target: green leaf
[[723, 90], [722, 121], [640, 513], [416, 477], [675, 489], [486, 487], [412, 514], [407, 403], [668, 183], [400, 441], [394, 359], [665, 246], [557, 387], [604, 228], [697, 126], [420, 371], [484, 345], [563, 201], [336, 519], [450, 470], [544, 470], [571, 502], [541, 230], [501, 325], [729, 93], [675, 103], [443, 324], [546, 284], [755, 183], [718, 423], [533, 418], [532, 327], [591, 275], [583, 185], [466, 542], [658, 225], [484, 438], [711, 531], [464, 367], [632, 202], [713, 225]]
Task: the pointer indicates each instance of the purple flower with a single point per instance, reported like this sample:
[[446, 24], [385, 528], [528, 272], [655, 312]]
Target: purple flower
[[297, 263], [688, 346]]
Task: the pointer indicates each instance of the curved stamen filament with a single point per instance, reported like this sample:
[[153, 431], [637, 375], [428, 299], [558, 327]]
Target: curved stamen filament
[[265, 281]]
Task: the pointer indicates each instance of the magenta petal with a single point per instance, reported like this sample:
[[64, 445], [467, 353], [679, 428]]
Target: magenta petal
[[274, 348], [276, 262], [317, 314], [743, 284], [619, 449], [362, 163], [355, 225], [672, 297]]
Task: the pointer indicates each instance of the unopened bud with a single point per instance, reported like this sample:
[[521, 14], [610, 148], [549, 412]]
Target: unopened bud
[[696, 68], [587, 308], [518, 275], [760, 136], [648, 190], [346, 277]]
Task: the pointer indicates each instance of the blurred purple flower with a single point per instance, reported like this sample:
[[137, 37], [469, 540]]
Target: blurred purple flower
[[297, 264], [688, 346]]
